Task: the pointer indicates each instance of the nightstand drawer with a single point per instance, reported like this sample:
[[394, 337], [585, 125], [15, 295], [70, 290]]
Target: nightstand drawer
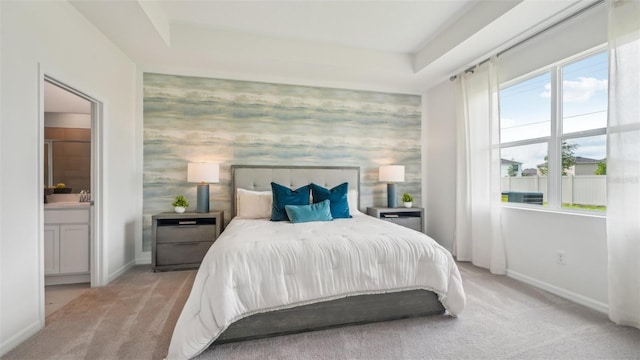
[[185, 233], [410, 222], [411, 218], [181, 253]]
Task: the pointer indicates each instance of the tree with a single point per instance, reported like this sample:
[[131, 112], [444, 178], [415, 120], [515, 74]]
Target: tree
[[602, 168], [512, 170], [568, 159]]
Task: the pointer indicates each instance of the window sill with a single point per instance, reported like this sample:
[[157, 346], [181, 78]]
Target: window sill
[[546, 209]]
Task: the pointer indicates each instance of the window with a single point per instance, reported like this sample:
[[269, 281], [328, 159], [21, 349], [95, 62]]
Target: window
[[553, 135]]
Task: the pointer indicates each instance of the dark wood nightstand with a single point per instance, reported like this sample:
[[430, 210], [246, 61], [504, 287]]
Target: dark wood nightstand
[[180, 241], [407, 217]]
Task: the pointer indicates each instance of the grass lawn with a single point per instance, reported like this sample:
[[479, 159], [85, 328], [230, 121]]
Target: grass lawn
[[585, 207], [574, 206]]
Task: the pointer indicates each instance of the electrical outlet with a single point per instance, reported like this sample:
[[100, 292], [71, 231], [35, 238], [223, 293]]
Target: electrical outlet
[[561, 257]]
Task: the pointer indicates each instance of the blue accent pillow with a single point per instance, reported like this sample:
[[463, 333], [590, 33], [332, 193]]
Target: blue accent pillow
[[282, 196], [306, 213], [336, 196]]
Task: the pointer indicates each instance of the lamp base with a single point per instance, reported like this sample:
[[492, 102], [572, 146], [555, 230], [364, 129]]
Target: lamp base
[[203, 198], [392, 195]]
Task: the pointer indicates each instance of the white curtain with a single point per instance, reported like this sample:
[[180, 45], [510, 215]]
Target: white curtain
[[623, 163], [478, 235]]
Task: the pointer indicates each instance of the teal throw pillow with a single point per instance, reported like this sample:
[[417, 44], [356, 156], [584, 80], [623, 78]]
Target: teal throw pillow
[[337, 197], [283, 196], [306, 213]]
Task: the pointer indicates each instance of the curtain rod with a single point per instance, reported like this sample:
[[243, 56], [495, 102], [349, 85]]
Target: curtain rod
[[569, 17]]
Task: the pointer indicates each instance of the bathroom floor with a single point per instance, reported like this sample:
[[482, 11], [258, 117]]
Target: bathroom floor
[[57, 296]]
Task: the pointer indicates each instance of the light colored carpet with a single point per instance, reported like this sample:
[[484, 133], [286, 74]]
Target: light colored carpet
[[134, 316]]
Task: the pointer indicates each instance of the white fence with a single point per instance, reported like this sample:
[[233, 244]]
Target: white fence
[[581, 189]]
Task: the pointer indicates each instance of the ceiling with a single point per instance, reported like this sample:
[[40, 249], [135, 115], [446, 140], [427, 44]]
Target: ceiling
[[386, 26], [397, 46]]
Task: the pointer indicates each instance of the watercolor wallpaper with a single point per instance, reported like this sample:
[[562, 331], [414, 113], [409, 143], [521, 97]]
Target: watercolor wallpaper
[[194, 119]]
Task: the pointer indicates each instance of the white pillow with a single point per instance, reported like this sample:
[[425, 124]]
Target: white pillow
[[253, 204], [352, 200]]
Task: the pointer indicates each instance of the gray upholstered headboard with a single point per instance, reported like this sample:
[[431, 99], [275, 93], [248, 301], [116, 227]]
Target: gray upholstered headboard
[[259, 178]]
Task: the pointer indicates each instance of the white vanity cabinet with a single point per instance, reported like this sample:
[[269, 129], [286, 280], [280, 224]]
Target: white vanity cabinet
[[66, 245]]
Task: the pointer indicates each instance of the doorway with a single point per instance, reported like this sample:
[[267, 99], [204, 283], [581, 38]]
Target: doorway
[[70, 171]]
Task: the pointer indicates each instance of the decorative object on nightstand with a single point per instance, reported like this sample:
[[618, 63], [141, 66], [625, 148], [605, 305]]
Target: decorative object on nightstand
[[407, 200], [180, 204], [180, 241], [407, 217], [203, 173], [391, 174]]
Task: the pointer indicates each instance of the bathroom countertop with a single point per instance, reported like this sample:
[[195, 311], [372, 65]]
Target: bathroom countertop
[[66, 205]]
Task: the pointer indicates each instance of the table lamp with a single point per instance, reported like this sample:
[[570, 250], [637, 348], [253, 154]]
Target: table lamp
[[203, 174], [391, 174]]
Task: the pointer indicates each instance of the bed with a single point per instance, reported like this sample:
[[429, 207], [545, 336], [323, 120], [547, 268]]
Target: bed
[[264, 278]]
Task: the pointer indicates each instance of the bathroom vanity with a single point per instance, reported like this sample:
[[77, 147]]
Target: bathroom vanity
[[66, 243]]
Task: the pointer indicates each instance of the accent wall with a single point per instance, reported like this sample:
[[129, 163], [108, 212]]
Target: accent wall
[[195, 119]]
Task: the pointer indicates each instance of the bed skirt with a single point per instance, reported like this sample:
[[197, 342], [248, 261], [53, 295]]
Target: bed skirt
[[352, 310]]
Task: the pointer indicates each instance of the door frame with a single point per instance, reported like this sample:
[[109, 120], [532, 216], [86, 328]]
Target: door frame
[[97, 246]]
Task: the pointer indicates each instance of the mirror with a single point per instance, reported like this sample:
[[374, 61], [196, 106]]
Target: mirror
[[67, 141], [67, 162]]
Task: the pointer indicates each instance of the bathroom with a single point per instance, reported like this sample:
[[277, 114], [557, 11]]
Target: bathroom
[[67, 162]]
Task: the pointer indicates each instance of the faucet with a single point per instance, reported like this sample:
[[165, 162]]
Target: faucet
[[84, 196]]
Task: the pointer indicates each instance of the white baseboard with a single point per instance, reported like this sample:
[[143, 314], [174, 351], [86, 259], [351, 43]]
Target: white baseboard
[[20, 337], [569, 295], [66, 279], [144, 258], [114, 275]]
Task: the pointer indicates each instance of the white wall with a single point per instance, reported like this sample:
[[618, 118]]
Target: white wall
[[569, 38], [56, 37], [534, 239], [439, 189]]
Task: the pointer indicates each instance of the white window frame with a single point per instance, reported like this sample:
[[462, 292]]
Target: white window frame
[[555, 140]]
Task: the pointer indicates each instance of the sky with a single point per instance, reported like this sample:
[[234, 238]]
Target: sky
[[525, 111]]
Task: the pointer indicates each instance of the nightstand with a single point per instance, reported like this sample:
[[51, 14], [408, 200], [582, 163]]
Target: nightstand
[[407, 217], [180, 241]]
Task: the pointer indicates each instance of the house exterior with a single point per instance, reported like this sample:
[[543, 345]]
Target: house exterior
[[510, 165], [585, 166], [582, 166]]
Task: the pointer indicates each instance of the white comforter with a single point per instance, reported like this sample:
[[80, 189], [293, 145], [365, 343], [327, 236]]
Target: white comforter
[[258, 265]]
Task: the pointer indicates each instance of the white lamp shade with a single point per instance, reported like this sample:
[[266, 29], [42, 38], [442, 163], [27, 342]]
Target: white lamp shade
[[391, 173], [203, 172]]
